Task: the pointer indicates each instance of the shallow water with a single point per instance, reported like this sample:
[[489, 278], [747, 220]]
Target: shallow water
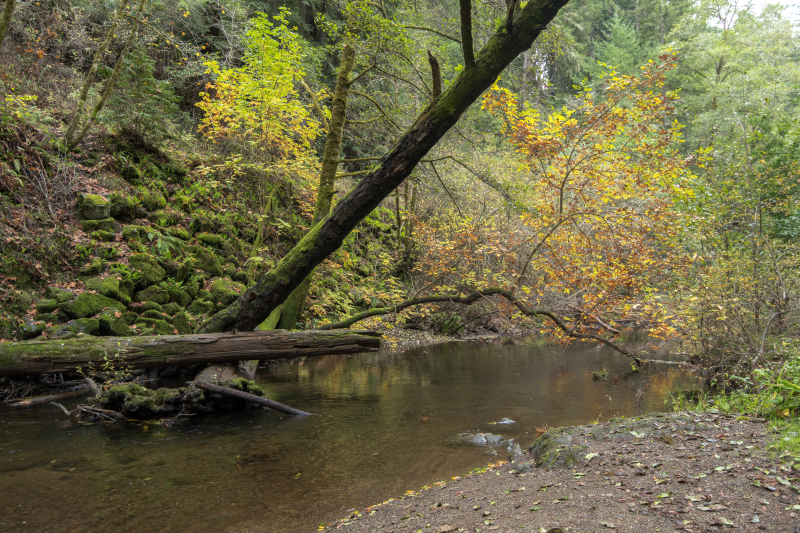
[[388, 422]]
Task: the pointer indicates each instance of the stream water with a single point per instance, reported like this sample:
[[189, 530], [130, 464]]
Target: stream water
[[388, 422]]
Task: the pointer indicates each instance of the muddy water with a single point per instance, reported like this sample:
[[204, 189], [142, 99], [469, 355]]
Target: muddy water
[[387, 423]]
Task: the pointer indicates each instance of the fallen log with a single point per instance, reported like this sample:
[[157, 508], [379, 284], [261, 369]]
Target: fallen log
[[40, 357], [246, 396]]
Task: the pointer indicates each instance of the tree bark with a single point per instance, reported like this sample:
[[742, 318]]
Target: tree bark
[[5, 22], [43, 357], [293, 306], [441, 115]]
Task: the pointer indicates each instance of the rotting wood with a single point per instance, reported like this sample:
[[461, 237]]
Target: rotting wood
[[246, 396], [19, 358]]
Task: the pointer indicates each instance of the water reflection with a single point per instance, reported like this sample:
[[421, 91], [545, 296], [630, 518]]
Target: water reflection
[[387, 422]]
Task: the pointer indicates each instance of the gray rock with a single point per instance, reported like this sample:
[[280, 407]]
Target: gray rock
[[494, 439]]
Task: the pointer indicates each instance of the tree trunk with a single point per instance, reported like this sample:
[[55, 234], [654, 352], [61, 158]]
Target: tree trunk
[[293, 306], [441, 115], [52, 357], [6, 20]]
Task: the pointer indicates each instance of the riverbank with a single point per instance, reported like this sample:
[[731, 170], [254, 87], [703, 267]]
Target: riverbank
[[686, 471]]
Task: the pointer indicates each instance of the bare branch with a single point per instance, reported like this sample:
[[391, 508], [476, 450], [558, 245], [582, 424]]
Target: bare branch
[[437, 32], [466, 32]]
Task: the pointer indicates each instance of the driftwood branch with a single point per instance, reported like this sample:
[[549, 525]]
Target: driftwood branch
[[570, 331], [247, 397]]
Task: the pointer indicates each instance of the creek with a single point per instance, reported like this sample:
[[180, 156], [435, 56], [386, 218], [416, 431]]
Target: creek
[[388, 422]]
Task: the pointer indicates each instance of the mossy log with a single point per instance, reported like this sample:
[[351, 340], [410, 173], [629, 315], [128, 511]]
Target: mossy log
[[44, 357]]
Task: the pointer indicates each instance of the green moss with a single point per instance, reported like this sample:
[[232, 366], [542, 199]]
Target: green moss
[[152, 200], [61, 295], [202, 220], [163, 218], [94, 206], [86, 305], [110, 287], [206, 261], [149, 269], [211, 239], [30, 329], [92, 268], [200, 307], [87, 326], [171, 308], [105, 236], [123, 207], [106, 224], [182, 323], [46, 306], [152, 313], [152, 294], [161, 327], [135, 232], [179, 233], [181, 298], [145, 306], [135, 400], [128, 317], [112, 323], [226, 291]]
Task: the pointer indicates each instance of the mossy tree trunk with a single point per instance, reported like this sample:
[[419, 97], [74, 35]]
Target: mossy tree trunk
[[6, 20], [442, 113], [72, 138], [293, 306]]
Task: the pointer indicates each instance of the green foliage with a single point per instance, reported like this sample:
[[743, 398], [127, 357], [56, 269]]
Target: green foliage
[[141, 106]]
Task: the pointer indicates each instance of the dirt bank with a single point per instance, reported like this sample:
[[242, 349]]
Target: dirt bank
[[688, 472]]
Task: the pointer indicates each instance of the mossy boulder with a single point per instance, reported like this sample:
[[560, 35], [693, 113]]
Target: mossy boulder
[[153, 293], [87, 304], [226, 291], [217, 241], [107, 224], [183, 323], [105, 236], [30, 329], [94, 206], [556, 449], [179, 233], [146, 306], [135, 232], [152, 200], [163, 218], [51, 318], [241, 276], [171, 308], [192, 286], [92, 268], [206, 261], [180, 297], [129, 317], [205, 295], [85, 326], [200, 307], [177, 270], [152, 313], [112, 323], [46, 305], [184, 203], [136, 401], [149, 269], [60, 295], [109, 253], [123, 207], [202, 220], [131, 174], [110, 287], [161, 327]]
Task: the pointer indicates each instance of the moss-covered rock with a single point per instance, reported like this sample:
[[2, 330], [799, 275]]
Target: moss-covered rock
[[202, 220], [123, 207], [146, 306], [161, 327], [85, 326], [110, 287], [206, 261], [105, 236], [107, 224], [241, 277], [171, 308], [200, 307], [129, 317], [179, 233], [205, 295], [86, 305], [153, 293], [184, 203], [92, 268], [51, 318], [192, 286], [136, 401], [226, 291], [94, 206], [30, 329], [177, 270], [60, 295], [112, 323], [152, 200], [183, 323], [109, 253], [163, 218], [149, 269], [46, 305], [217, 241], [152, 313], [180, 297], [131, 174], [135, 232]]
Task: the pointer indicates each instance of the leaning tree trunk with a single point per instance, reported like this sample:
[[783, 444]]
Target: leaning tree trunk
[[6, 20], [293, 307], [53, 357], [274, 287]]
